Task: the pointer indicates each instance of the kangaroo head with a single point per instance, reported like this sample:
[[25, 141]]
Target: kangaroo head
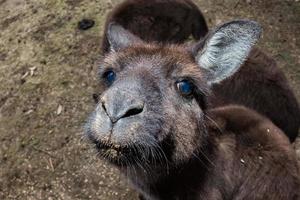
[[152, 98]]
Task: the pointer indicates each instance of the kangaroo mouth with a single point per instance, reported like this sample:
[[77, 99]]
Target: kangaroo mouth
[[117, 154], [106, 146]]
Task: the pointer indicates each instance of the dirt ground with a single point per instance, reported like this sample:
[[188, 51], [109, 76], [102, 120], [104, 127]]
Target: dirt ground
[[47, 76]]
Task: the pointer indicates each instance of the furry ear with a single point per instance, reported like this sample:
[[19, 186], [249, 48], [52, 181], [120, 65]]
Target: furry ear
[[226, 48], [119, 38]]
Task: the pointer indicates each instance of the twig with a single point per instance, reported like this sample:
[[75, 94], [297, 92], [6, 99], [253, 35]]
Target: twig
[[45, 152], [51, 164]]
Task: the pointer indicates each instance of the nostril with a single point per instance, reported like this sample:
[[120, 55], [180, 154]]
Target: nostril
[[117, 110], [103, 106], [132, 112]]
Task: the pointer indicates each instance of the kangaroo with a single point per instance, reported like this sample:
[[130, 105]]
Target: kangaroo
[[165, 21], [259, 84], [153, 122]]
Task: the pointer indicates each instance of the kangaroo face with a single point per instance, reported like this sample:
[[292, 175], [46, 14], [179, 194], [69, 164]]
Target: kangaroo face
[[152, 98]]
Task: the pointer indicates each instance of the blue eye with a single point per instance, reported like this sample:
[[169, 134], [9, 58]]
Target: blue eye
[[110, 77], [185, 87]]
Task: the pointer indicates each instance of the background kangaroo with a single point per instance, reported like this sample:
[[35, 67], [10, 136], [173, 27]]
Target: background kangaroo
[[262, 86], [151, 121], [158, 20], [259, 84]]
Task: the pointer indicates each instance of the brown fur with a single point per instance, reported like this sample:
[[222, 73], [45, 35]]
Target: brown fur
[[233, 153], [249, 158], [259, 84], [172, 147], [253, 157], [158, 20], [262, 86]]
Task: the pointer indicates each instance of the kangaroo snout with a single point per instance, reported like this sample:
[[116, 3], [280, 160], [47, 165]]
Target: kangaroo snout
[[121, 106]]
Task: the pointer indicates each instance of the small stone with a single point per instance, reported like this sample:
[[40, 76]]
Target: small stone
[[28, 112], [59, 110], [86, 24], [218, 21], [243, 161]]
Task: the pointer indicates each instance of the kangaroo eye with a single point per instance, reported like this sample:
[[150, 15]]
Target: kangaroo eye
[[185, 87], [109, 76]]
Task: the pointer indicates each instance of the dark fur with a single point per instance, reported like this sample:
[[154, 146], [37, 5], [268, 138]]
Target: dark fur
[[262, 86], [158, 20], [248, 158], [229, 153], [259, 85], [176, 148]]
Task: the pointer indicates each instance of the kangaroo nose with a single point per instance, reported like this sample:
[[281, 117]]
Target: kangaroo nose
[[117, 110]]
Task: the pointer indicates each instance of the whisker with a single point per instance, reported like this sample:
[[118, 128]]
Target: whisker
[[214, 122]]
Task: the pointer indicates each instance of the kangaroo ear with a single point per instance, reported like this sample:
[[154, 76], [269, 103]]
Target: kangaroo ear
[[119, 38], [226, 48]]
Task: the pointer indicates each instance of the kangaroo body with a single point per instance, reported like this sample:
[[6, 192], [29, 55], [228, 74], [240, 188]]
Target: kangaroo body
[[164, 115], [263, 87], [161, 21], [240, 155]]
